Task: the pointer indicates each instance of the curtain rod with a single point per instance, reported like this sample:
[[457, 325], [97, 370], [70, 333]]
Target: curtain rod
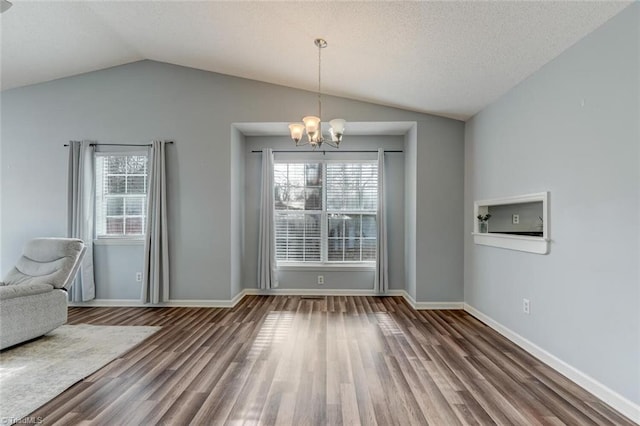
[[324, 152], [119, 144]]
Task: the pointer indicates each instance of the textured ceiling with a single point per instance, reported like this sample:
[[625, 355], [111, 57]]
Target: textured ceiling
[[445, 58]]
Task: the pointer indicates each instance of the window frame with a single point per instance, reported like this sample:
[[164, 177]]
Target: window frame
[[124, 238], [324, 263]]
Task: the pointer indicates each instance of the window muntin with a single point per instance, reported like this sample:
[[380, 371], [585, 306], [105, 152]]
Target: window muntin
[[325, 211], [121, 195]]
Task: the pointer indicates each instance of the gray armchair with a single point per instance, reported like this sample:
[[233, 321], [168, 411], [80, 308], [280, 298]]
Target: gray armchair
[[33, 297]]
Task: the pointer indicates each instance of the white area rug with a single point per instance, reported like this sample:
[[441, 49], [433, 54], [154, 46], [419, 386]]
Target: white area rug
[[34, 373]]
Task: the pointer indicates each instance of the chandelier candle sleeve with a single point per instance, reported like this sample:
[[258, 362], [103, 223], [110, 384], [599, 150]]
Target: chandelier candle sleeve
[[337, 129], [312, 125], [297, 130]]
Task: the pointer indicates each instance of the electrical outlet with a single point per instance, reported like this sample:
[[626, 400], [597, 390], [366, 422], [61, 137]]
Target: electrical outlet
[[515, 219], [526, 306], [139, 276], [320, 279]]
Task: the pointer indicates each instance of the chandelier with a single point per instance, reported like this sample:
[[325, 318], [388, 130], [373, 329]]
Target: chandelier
[[312, 125]]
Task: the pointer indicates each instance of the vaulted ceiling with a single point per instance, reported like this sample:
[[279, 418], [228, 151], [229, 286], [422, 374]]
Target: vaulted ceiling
[[445, 58]]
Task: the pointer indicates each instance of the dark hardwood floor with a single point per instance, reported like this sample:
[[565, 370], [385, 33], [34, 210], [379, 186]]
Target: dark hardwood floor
[[278, 360]]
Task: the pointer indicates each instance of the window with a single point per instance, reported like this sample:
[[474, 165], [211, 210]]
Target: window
[[121, 195], [326, 211]]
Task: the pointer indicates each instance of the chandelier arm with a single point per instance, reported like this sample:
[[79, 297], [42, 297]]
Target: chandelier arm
[[331, 143]]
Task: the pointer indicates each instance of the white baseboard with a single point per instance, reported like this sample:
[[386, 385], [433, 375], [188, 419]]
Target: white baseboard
[[278, 291], [425, 306], [309, 292], [99, 303], [176, 303], [364, 292], [614, 399]]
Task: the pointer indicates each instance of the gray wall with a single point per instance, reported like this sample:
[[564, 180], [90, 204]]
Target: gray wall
[[137, 102], [439, 183], [410, 210], [116, 266], [571, 129], [307, 279], [237, 210]]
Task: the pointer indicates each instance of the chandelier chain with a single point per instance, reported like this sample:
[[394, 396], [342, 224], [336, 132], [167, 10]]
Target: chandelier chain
[[319, 80]]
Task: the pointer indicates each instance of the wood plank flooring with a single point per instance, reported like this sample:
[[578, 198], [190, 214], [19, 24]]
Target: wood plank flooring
[[284, 360]]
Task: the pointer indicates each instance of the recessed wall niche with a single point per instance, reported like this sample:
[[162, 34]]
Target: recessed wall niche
[[515, 223]]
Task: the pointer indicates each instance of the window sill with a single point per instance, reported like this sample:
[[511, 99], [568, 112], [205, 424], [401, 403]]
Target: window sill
[[349, 267], [118, 242], [538, 245]]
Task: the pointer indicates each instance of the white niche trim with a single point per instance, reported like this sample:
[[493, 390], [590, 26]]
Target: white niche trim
[[513, 241]]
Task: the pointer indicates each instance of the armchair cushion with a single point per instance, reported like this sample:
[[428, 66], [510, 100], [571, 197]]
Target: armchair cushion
[[11, 291], [52, 261]]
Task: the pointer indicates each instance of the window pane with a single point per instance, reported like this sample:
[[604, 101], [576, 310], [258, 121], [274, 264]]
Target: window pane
[[351, 200], [136, 164], [313, 199], [334, 200], [115, 206], [298, 236], [280, 175], [115, 225], [369, 229], [295, 175], [352, 226], [352, 249], [298, 186], [335, 249], [281, 249], [336, 226], [369, 249], [312, 226], [312, 250], [313, 173], [296, 198], [295, 225], [136, 185], [134, 225], [116, 164], [352, 187], [294, 250], [281, 225], [280, 197], [116, 185], [135, 206]]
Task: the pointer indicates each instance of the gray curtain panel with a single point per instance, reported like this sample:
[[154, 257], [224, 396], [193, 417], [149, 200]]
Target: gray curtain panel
[[81, 206], [155, 285], [382, 268], [267, 266]]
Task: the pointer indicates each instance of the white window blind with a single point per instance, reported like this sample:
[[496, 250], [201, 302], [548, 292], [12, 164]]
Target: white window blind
[[121, 194], [325, 211], [352, 197], [298, 211]]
